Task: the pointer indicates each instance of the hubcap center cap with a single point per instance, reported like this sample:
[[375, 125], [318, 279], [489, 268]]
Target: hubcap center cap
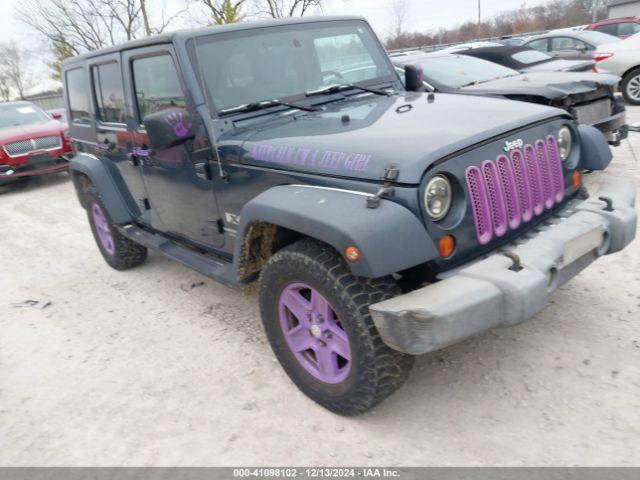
[[315, 331]]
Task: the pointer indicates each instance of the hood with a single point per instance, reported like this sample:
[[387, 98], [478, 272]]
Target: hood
[[561, 65], [32, 130], [360, 138], [551, 85]]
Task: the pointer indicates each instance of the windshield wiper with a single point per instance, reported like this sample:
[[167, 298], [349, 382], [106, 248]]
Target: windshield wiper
[[254, 106], [336, 88]]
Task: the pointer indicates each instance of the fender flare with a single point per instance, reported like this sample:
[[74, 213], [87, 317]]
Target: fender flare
[[596, 154], [105, 181], [390, 237]]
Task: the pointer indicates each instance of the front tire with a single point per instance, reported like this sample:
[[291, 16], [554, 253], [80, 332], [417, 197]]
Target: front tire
[[117, 250], [630, 87], [316, 316]]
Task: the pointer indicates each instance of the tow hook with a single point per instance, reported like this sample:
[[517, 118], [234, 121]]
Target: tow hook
[[608, 201]]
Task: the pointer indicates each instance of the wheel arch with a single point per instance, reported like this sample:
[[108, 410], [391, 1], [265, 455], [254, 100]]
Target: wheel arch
[[390, 237], [88, 170]]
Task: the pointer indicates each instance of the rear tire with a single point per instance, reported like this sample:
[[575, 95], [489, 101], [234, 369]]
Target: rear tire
[[630, 87], [336, 358], [117, 250]]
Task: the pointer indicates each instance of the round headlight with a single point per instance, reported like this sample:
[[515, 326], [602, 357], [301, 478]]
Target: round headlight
[[565, 139], [437, 197]]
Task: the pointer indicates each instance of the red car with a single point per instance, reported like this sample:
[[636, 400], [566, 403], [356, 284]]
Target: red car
[[619, 27], [31, 142]]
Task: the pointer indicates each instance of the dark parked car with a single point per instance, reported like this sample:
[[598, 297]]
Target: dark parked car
[[31, 142], [618, 27], [571, 44], [525, 59], [589, 97], [379, 223]]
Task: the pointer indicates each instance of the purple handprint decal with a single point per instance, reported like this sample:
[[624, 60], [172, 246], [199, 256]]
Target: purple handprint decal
[[176, 122]]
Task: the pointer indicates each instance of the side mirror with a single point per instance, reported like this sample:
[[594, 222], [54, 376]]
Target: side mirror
[[168, 128], [56, 115], [413, 78]]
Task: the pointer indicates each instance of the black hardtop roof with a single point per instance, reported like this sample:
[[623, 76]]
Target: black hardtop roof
[[184, 35]]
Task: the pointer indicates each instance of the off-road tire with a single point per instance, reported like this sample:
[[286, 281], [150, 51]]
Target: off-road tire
[[128, 254], [376, 370], [624, 86]]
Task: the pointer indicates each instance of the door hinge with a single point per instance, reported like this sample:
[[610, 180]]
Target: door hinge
[[147, 205]]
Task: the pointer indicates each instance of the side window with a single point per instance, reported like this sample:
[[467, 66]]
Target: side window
[[566, 43], [156, 84], [78, 99], [611, 29], [628, 28], [107, 86], [540, 45]]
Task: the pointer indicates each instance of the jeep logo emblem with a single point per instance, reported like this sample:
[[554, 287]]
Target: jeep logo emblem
[[508, 146]]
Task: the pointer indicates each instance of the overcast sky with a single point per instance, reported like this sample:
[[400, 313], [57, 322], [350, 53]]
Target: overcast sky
[[422, 15]]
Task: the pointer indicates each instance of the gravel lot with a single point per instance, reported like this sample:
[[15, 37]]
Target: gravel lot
[[160, 366]]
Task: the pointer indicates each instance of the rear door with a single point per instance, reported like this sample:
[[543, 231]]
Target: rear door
[[569, 48], [177, 179]]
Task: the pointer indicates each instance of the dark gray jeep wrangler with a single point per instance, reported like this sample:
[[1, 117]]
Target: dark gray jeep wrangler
[[379, 223]]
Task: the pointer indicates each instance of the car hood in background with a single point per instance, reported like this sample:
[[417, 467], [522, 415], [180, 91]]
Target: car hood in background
[[551, 85], [32, 130], [360, 138]]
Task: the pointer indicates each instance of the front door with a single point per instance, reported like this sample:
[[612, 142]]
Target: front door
[[177, 179]]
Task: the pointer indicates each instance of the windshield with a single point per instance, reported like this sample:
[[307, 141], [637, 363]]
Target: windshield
[[459, 70], [286, 61], [528, 57], [21, 114], [597, 38]]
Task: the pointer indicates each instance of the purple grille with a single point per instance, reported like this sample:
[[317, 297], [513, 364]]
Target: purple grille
[[535, 179], [479, 205], [555, 168], [508, 181], [508, 192], [496, 198]]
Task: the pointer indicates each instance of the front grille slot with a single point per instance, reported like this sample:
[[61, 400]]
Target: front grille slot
[[24, 147], [511, 191]]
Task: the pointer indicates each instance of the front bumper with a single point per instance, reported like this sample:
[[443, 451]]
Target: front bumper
[[513, 284], [57, 163]]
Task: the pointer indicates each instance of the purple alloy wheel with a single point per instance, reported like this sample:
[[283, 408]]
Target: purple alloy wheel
[[102, 227], [314, 333]]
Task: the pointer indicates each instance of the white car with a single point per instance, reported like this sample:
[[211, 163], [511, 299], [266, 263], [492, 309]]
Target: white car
[[623, 59]]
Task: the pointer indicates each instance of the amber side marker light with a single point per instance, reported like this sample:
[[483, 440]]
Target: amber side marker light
[[352, 254], [575, 179], [446, 246]]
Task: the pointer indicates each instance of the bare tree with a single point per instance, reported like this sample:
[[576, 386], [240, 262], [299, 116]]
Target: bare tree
[[287, 8], [223, 11], [5, 90], [86, 25], [13, 66], [399, 10]]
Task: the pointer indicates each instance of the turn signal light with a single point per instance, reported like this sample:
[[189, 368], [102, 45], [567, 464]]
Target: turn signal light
[[446, 246], [352, 254], [576, 180]]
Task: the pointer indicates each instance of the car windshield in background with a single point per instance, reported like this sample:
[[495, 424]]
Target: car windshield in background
[[286, 61], [528, 57], [597, 38], [459, 70], [21, 114]]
